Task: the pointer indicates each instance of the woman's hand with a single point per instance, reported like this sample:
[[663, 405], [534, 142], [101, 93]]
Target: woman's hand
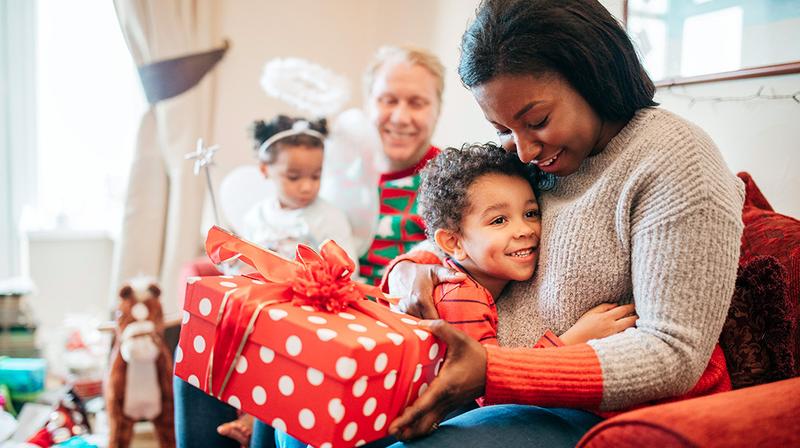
[[461, 379], [601, 321], [413, 283]]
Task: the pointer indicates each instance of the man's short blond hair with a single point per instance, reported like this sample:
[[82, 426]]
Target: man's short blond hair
[[409, 54]]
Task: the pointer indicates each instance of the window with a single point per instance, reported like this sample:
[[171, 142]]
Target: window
[[89, 105]]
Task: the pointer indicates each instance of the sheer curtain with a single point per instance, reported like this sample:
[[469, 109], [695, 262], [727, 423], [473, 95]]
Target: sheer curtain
[[17, 129], [161, 223]]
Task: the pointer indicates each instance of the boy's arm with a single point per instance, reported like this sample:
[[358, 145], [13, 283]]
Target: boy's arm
[[468, 307], [549, 339]]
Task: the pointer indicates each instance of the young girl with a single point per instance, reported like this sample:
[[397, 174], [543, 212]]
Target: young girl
[[290, 153]]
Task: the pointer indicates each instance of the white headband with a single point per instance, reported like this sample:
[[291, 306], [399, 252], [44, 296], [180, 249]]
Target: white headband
[[300, 127]]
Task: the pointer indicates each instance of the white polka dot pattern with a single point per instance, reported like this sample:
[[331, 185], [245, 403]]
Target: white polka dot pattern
[[266, 355], [367, 343], [369, 406], [326, 334], [259, 395], [336, 410], [395, 338], [319, 320], [380, 362], [433, 352], [233, 400], [241, 365], [390, 379], [293, 345], [199, 344], [306, 418], [422, 334], [228, 284], [346, 367], [350, 431], [194, 381], [286, 385], [278, 424], [359, 387], [358, 328], [314, 376], [380, 422], [178, 355], [205, 306], [276, 314]]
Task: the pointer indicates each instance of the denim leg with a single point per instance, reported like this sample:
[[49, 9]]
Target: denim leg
[[263, 435], [510, 425], [197, 416]]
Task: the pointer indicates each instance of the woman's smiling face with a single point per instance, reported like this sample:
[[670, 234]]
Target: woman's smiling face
[[543, 119]]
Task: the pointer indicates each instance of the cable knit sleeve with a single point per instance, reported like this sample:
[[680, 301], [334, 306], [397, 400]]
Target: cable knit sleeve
[[685, 229], [678, 217]]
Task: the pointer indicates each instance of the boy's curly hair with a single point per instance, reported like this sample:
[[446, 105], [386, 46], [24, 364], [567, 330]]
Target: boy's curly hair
[[447, 177]]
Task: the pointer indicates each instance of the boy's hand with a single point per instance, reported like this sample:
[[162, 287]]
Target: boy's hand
[[414, 284], [601, 321]]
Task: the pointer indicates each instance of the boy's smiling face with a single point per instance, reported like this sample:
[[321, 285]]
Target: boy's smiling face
[[499, 237]]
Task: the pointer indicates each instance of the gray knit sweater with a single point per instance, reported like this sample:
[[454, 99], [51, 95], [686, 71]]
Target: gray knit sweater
[[654, 218]]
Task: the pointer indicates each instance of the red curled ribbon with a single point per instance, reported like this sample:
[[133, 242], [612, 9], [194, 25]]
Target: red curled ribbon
[[321, 280]]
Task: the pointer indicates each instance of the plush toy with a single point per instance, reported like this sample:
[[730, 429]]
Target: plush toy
[[139, 382]]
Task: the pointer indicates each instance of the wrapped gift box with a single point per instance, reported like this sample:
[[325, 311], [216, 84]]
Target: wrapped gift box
[[327, 378], [23, 375]]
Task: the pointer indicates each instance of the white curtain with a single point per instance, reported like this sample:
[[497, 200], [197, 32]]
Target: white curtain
[[161, 225], [17, 127]]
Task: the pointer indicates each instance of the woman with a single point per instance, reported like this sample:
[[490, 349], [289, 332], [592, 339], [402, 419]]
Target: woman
[[404, 88], [643, 209]]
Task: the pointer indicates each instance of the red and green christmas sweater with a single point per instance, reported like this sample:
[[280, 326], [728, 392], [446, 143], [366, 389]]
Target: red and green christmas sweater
[[400, 226]]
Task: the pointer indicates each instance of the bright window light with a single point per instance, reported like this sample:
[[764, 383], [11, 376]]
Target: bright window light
[[89, 104], [712, 42]]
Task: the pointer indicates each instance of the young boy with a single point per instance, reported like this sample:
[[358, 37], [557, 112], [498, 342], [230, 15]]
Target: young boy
[[479, 206]]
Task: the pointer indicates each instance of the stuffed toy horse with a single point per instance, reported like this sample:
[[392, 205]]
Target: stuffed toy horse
[[139, 383]]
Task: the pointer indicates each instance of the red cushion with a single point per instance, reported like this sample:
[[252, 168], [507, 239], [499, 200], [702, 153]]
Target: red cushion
[[769, 233], [759, 333]]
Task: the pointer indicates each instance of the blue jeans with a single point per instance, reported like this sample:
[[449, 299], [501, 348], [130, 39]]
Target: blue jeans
[[502, 425], [197, 416]]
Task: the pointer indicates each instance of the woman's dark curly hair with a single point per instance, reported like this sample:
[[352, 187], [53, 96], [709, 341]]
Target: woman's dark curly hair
[[577, 39], [446, 179], [261, 131]]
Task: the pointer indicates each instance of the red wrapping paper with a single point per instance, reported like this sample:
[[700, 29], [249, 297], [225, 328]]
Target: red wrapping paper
[[327, 378]]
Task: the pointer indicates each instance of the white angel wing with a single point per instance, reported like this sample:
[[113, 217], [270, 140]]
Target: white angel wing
[[305, 85], [239, 191], [350, 173]]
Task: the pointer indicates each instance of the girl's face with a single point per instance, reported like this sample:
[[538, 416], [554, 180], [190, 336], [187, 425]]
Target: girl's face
[[544, 120], [404, 107], [500, 233], [296, 172]]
